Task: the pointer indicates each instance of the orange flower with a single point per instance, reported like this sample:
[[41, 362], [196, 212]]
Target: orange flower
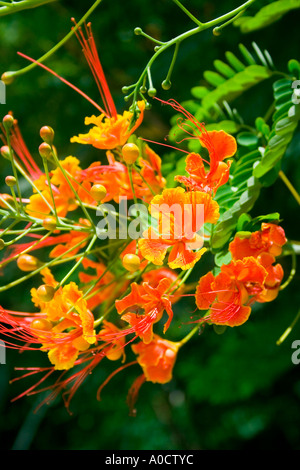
[[220, 145], [157, 359], [145, 306], [269, 239], [64, 198], [115, 178], [179, 217], [228, 295], [264, 245], [71, 323], [110, 132]]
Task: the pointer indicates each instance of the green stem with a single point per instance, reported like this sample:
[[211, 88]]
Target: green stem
[[288, 330], [292, 273], [17, 73], [50, 188], [289, 186], [74, 192], [178, 39], [188, 336], [9, 8], [129, 167], [188, 13], [78, 262]]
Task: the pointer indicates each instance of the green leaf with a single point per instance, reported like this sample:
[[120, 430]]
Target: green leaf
[[247, 139], [285, 122], [266, 15]]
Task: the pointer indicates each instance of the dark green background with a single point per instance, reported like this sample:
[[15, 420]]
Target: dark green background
[[233, 391]]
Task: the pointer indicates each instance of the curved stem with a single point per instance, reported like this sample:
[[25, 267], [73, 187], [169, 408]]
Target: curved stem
[[289, 186], [188, 336], [14, 74], [178, 39], [13, 7], [288, 330]]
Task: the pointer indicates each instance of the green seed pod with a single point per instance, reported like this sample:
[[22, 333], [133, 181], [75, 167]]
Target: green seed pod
[[7, 77], [152, 92], [166, 84]]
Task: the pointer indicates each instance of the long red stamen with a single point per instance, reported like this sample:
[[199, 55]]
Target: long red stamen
[[91, 54], [21, 150], [64, 81]]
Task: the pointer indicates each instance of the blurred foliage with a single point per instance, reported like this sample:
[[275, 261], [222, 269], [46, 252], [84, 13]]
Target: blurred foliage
[[238, 390]]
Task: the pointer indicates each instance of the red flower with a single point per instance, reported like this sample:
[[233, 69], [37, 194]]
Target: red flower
[[209, 176], [264, 245], [178, 219], [145, 306], [228, 295], [157, 359]]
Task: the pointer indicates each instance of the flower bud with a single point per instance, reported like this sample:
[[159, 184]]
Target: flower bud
[[166, 84], [8, 121], [98, 192], [47, 134], [28, 263], [5, 152], [45, 292], [10, 181], [49, 223], [8, 198], [138, 31], [41, 324], [45, 150], [7, 78], [152, 92], [2, 244], [131, 262], [130, 153]]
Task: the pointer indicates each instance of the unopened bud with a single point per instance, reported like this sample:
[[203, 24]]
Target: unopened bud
[[8, 198], [28, 263], [10, 181], [7, 77], [130, 153], [138, 31], [152, 92], [45, 292], [47, 134], [45, 150], [166, 84], [5, 152], [49, 223], [8, 121], [98, 192], [131, 262], [2, 244]]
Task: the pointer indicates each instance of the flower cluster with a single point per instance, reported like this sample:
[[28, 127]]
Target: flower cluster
[[140, 279]]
